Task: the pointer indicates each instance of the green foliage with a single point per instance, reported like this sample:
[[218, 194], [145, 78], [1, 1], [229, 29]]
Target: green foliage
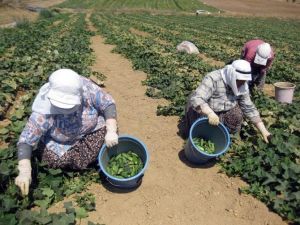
[[124, 165], [273, 169], [28, 55], [204, 145], [86, 201], [28, 217], [46, 13], [169, 5], [270, 169], [23, 23]]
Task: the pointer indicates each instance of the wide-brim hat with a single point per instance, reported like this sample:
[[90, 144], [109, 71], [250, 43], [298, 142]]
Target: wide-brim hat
[[65, 89], [62, 99]]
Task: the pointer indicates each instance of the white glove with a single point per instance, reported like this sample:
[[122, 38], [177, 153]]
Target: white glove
[[213, 118], [265, 133], [111, 137], [23, 180]]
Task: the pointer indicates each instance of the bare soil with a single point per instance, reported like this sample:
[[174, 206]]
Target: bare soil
[[173, 191], [270, 8], [17, 12]]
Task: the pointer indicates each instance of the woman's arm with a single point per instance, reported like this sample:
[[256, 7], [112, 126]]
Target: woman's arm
[[36, 126], [104, 103], [200, 99], [250, 111]]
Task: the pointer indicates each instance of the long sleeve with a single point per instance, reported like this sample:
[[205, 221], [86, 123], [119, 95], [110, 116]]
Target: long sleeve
[[36, 126], [249, 109], [203, 93], [103, 102]]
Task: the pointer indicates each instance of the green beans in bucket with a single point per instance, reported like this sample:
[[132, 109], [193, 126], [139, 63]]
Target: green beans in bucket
[[124, 165], [204, 145]]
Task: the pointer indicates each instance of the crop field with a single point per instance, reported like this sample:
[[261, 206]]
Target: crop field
[[31, 51], [170, 5]]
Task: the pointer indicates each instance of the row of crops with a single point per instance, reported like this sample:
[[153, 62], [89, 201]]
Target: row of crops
[[28, 54], [272, 170], [169, 5]]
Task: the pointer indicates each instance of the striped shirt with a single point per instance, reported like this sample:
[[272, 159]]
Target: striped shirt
[[60, 132], [219, 96]]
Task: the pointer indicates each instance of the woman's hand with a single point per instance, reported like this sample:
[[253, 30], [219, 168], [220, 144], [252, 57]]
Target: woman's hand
[[213, 118], [264, 132], [23, 180], [111, 137]]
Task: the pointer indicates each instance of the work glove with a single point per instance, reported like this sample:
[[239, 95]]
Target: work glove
[[23, 180], [263, 130], [111, 137], [213, 118]]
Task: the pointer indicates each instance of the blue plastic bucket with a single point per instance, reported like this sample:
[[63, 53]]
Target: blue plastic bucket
[[219, 135], [126, 143]]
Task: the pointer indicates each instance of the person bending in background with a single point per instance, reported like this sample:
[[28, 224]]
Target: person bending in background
[[71, 118], [260, 55], [223, 96]]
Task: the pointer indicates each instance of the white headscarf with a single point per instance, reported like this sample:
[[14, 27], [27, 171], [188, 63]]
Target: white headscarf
[[239, 70], [61, 95]]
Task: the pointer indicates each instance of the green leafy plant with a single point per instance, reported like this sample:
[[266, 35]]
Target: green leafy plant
[[86, 201]]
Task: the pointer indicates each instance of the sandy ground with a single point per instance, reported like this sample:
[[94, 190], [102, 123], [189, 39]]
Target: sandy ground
[[173, 191], [269, 8], [17, 12]]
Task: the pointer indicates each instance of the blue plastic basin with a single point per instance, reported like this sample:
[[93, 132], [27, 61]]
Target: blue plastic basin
[[219, 135], [126, 143]]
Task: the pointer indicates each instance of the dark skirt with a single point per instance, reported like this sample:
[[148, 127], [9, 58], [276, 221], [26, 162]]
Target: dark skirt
[[79, 157], [232, 119]]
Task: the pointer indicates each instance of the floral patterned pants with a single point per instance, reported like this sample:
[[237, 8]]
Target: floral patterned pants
[[79, 157], [232, 119]]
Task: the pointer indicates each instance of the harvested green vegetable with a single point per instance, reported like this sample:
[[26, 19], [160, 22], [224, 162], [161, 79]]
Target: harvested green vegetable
[[124, 165], [205, 146]]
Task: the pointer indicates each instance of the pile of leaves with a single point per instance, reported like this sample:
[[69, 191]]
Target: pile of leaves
[[124, 165], [204, 145]]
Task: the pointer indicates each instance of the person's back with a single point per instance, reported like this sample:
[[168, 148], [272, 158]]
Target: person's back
[[260, 55]]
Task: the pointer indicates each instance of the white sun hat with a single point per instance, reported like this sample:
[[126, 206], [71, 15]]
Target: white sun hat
[[242, 69], [238, 70], [65, 89], [263, 53]]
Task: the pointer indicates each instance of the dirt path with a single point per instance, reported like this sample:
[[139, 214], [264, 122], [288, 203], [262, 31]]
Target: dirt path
[[173, 191], [270, 8]]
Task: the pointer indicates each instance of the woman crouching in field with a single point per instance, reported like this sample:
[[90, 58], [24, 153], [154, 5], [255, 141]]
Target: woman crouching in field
[[71, 118]]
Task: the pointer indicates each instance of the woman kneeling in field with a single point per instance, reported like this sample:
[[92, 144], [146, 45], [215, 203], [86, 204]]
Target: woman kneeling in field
[[71, 119], [223, 95]]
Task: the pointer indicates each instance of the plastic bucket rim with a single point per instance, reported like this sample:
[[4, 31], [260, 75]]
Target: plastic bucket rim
[[129, 178], [291, 85], [223, 128]]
